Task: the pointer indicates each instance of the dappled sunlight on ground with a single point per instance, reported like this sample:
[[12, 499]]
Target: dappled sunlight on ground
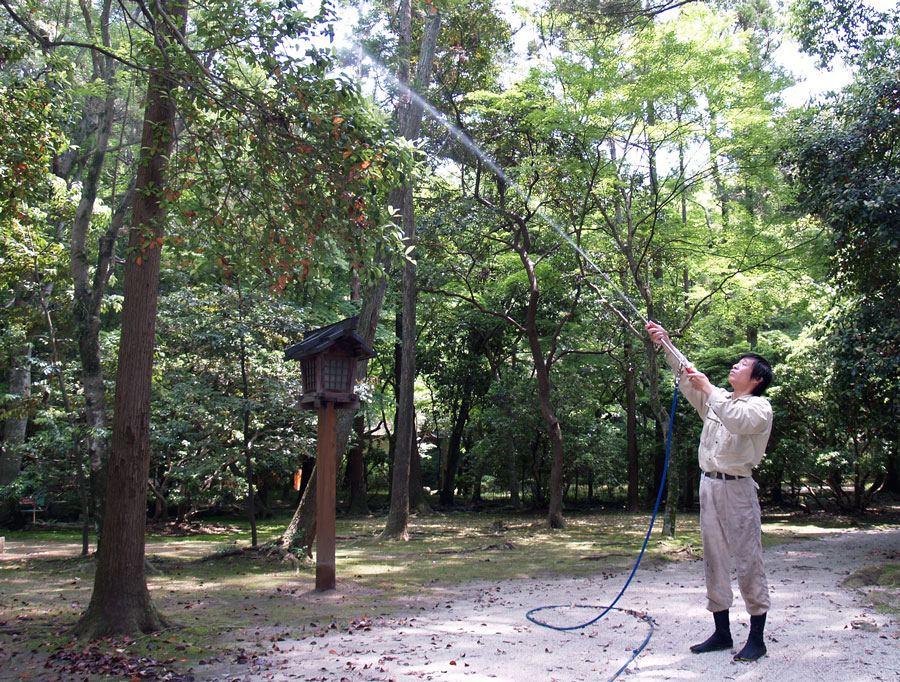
[[817, 630], [450, 603]]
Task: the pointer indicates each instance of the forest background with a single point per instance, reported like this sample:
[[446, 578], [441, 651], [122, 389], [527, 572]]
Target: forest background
[[186, 188]]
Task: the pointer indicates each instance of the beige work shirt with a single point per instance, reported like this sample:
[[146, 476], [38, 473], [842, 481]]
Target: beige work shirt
[[735, 432]]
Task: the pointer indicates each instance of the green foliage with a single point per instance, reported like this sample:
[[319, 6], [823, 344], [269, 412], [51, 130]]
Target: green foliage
[[29, 136], [852, 30], [845, 168], [209, 337], [275, 196], [30, 139], [285, 167], [473, 45], [602, 144], [844, 164], [651, 147], [825, 436]]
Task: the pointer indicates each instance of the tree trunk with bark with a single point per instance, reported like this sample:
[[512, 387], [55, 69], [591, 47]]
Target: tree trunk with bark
[[551, 423], [631, 426], [356, 468], [545, 401], [89, 290], [120, 602], [454, 451], [411, 113], [301, 531], [673, 486], [405, 430], [418, 501]]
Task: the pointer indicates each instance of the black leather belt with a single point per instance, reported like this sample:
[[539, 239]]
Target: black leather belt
[[727, 477]]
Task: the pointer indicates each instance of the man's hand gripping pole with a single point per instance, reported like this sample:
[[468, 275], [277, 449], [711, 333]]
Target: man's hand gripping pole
[[683, 362]]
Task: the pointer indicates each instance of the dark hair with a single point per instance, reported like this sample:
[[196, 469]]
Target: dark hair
[[762, 370]]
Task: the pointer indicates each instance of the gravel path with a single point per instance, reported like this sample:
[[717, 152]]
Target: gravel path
[[817, 631]]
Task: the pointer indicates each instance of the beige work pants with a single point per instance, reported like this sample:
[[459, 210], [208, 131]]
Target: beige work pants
[[730, 527]]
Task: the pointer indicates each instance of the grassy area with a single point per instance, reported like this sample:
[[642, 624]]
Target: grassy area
[[230, 608]]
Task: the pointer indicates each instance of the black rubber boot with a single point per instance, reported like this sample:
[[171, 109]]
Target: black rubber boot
[[721, 638], [755, 647]]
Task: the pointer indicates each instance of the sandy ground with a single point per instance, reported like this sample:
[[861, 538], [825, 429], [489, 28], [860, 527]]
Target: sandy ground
[[817, 631]]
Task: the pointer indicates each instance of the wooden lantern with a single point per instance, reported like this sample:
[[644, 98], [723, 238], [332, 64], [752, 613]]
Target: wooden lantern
[[328, 359]]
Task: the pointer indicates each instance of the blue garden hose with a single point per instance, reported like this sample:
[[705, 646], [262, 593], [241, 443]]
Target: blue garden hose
[[612, 607]]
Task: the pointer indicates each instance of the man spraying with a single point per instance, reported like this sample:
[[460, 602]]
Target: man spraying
[[736, 429]]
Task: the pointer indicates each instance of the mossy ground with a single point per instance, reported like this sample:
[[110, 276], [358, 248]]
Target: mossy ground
[[880, 583]]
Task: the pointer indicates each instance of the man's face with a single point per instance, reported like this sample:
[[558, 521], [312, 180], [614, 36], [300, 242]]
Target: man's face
[[739, 377]]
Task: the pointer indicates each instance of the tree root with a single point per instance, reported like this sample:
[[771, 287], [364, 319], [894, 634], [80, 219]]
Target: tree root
[[271, 551], [503, 546]]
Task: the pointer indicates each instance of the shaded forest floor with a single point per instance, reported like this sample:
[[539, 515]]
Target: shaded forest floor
[[248, 617]]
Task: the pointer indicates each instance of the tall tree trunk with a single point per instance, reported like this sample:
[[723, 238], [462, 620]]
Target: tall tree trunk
[[405, 430], [120, 602], [410, 126], [673, 487], [88, 292], [631, 444], [454, 451], [551, 423], [248, 441], [356, 468], [555, 511], [545, 401], [418, 502], [301, 531], [16, 425]]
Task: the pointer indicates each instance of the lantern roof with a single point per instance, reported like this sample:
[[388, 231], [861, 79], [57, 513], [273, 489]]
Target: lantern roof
[[340, 336]]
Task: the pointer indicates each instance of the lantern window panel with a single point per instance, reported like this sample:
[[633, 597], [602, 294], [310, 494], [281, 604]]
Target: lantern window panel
[[309, 375], [336, 376]]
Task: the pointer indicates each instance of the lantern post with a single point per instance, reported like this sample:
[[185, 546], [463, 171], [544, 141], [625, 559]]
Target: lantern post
[[328, 359], [326, 502]]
